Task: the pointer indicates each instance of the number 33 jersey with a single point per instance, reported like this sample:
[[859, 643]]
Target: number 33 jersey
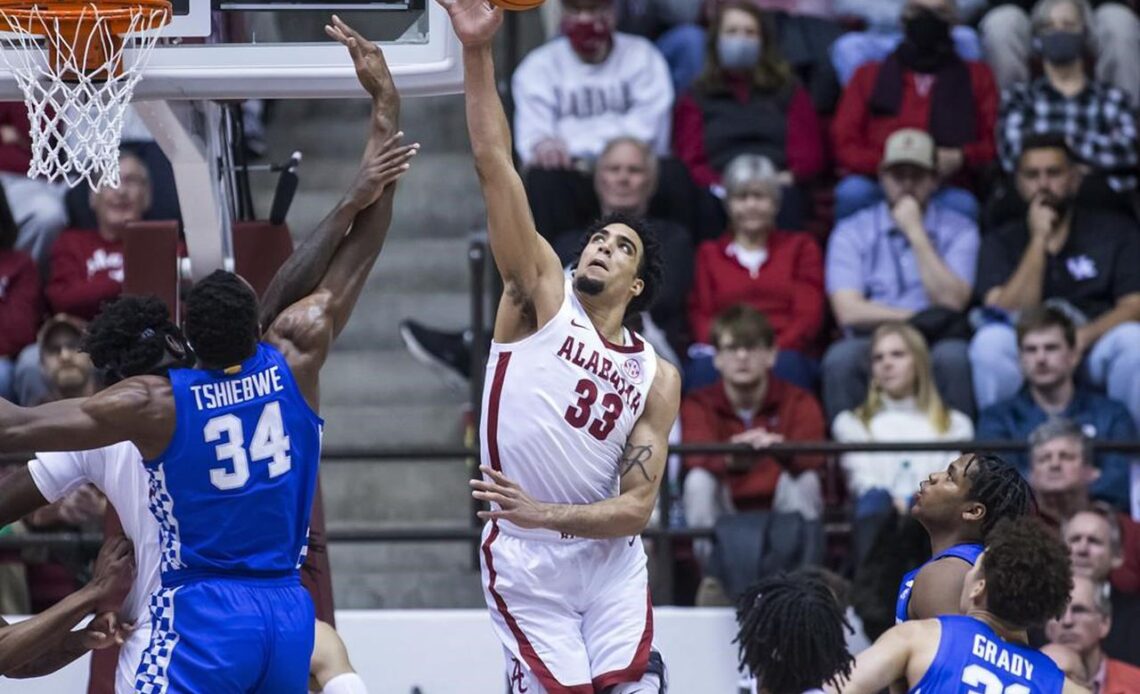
[[559, 405], [233, 490]]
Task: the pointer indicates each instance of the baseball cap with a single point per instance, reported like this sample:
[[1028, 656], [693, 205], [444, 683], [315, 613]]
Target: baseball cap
[[909, 146], [59, 321]]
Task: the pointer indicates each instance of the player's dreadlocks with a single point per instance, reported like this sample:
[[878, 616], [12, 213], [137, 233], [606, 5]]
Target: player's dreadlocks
[[221, 319], [129, 336], [791, 634], [651, 268], [1000, 487]]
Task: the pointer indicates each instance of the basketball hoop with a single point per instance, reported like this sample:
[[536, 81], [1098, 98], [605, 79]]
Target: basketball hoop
[[77, 64]]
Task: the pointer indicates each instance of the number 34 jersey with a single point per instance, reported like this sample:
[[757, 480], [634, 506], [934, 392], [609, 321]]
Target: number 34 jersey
[[233, 490], [559, 405]]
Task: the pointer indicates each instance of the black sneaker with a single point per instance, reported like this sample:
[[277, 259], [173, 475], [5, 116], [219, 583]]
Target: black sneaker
[[450, 352]]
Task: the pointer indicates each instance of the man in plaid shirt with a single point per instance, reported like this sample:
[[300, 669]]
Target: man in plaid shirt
[[1097, 119]]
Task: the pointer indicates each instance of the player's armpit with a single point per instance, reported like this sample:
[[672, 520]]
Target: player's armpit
[[888, 659], [937, 589]]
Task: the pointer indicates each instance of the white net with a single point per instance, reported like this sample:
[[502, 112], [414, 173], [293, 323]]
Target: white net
[[78, 75]]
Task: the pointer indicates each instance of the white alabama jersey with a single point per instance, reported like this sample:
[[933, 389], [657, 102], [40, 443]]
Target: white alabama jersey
[[559, 405], [118, 472]]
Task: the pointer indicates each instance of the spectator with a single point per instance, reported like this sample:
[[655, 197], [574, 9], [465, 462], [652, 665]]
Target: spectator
[[749, 405], [1094, 537], [1096, 119], [36, 204], [889, 23], [1046, 344], [902, 405], [1061, 469], [572, 96], [906, 259], [624, 181], [779, 273], [1083, 628], [1109, 33], [923, 84], [747, 101], [20, 302], [805, 30], [87, 265], [1082, 260], [67, 369]]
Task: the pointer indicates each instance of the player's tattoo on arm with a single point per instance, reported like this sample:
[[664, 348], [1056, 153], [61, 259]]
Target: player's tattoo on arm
[[636, 457]]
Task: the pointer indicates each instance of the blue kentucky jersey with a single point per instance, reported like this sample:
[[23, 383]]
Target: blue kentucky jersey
[[233, 490], [968, 552], [972, 658]]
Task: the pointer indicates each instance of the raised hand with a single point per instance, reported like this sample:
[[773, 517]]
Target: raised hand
[[381, 169], [371, 67], [475, 21]]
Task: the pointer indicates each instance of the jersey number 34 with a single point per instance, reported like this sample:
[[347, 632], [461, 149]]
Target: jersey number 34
[[270, 442]]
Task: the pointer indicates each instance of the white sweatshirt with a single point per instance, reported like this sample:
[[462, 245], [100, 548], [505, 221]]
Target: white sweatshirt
[[558, 95]]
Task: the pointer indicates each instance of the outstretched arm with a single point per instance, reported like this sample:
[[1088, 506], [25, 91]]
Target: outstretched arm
[[888, 660], [641, 468], [45, 642], [532, 275], [138, 409]]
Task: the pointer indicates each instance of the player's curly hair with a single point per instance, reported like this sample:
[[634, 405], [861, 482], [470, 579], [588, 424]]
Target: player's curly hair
[[221, 320], [650, 268], [1000, 488], [791, 633], [1027, 571], [128, 337]]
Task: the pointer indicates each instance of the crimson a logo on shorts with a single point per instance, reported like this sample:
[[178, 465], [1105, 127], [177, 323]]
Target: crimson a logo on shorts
[[632, 369], [518, 679]]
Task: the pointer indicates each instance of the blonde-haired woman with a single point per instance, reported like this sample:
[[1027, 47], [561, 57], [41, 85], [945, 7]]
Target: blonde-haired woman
[[902, 404]]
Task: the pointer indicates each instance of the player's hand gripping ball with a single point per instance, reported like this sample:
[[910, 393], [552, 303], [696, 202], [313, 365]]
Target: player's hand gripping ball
[[517, 5]]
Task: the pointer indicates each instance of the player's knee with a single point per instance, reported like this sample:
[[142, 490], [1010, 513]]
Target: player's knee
[[330, 657], [654, 679]]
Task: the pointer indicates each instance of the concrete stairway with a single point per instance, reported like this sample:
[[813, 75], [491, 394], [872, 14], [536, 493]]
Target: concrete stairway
[[373, 394]]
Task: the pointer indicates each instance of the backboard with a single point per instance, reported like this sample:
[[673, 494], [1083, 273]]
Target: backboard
[[276, 49]]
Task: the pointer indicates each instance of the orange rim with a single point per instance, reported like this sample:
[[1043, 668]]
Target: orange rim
[[78, 21]]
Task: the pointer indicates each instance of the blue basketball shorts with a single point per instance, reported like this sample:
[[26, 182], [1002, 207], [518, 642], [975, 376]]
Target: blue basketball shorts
[[229, 636]]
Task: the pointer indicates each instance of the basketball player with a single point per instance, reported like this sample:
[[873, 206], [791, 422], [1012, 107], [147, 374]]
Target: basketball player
[[792, 635], [575, 421], [1021, 580], [42, 644], [231, 448], [958, 508]]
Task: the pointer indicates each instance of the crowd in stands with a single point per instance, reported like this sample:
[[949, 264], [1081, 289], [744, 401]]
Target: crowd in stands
[[890, 221]]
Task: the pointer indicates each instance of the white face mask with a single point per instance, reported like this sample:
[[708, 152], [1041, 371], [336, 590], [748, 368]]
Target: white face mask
[[738, 52]]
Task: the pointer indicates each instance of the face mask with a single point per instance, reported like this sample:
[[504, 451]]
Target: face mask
[[587, 36], [927, 31], [738, 52], [1061, 47]]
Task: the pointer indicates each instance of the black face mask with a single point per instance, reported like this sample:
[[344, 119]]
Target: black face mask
[[927, 31]]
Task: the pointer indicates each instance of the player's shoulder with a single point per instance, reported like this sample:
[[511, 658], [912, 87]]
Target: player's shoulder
[[666, 387]]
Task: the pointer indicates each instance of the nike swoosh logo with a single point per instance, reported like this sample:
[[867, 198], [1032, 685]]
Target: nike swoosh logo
[[576, 324], [631, 540]]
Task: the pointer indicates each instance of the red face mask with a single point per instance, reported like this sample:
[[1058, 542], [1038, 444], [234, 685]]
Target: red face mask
[[587, 36]]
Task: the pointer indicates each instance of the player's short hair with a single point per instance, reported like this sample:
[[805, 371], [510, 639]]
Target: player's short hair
[[999, 487], [791, 633], [221, 320], [1043, 318], [744, 325], [1028, 573], [128, 337], [651, 265]]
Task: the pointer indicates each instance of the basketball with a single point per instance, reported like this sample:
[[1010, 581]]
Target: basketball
[[517, 5]]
